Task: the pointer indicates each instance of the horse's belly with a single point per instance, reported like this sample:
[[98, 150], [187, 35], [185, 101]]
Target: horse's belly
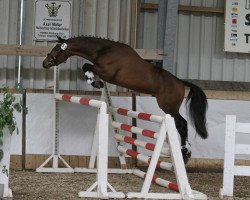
[[135, 78], [138, 85]]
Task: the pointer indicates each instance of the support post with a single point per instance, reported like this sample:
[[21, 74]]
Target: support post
[[24, 131], [55, 154], [179, 166], [108, 100], [170, 35], [228, 173], [232, 148], [155, 158], [101, 183]]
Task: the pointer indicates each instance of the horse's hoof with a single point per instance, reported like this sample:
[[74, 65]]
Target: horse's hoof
[[98, 84], [186, 154]]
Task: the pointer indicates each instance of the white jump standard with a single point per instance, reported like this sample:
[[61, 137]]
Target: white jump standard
[[55, 157], [232, 149], [101, 184], [182, 189]]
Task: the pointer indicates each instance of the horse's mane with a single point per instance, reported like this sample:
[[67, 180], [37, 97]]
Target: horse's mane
[[96, 38]]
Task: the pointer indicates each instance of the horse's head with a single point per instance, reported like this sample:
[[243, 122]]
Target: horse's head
[[57, 55]]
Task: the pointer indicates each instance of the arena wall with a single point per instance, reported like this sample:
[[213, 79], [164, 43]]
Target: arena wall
[[77, 125]]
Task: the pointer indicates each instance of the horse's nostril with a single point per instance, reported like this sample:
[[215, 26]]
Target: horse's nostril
[[45, 65]]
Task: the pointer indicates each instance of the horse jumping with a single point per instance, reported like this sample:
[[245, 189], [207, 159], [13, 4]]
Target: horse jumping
[[119, 64]]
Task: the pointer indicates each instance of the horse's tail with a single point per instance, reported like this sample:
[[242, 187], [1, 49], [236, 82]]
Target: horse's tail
[[197, 109]]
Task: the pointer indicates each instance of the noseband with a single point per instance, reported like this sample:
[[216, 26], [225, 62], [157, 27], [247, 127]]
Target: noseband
[[54, 57]]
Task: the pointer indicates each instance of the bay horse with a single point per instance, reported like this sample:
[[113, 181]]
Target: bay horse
[[119, 64]]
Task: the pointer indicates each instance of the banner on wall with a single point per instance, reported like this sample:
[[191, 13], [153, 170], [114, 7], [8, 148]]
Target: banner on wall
[[52, 18], [237, 26]]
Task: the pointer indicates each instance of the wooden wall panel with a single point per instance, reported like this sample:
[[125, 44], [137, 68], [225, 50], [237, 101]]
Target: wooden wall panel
[[35, 160]]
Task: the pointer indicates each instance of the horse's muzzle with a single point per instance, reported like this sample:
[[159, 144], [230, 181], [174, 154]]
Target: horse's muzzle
[[46, 64]]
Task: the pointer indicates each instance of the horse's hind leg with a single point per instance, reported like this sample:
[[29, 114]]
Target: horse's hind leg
[[172, 108], [88, 72], [181, 125]]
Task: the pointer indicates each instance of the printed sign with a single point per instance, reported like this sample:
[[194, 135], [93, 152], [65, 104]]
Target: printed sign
[[237, 26], [52, 18]]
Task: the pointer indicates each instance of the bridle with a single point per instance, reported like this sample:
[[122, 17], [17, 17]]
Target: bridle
[[53, 61]]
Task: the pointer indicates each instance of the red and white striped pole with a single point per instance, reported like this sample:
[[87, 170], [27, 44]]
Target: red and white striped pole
[[158, 181], [138, 115], [140, 143], [80, 100], [134, 129], [144, 158]]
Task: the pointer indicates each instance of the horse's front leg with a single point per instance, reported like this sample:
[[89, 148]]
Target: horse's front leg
[[89, 75]]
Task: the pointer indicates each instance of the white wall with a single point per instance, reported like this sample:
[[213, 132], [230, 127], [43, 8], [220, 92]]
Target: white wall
[[77, 125]]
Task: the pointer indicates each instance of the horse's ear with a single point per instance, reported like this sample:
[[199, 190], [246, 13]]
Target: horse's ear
[[60, 40]]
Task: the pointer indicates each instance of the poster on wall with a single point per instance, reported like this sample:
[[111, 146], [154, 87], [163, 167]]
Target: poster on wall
[[237, 26], [52, 18]]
